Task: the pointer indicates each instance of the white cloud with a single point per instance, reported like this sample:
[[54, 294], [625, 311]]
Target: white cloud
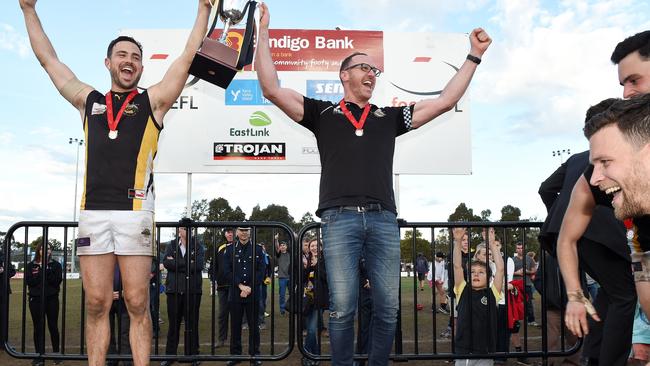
[[6, 138], [555, 62], [12, 41], [405, 15]]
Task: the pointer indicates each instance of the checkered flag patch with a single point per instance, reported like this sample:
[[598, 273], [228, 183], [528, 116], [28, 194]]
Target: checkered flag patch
[[408, 120]]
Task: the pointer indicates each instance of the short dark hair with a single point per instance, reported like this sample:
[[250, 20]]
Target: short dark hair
[[109, 51], [600, 107], [638, 42], [488, 270], [631, 116], [440, 254], [346, 61]]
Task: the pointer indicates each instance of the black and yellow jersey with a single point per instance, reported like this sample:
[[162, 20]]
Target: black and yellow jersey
[[119, 172]]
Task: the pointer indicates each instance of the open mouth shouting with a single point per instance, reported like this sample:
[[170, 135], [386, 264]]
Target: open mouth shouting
[[615, 193], [127, 71], [369, 83]]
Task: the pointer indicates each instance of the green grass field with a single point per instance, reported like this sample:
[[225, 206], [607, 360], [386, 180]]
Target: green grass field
[[273, 342]]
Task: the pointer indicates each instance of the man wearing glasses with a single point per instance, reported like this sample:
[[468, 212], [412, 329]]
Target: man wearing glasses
[[356, 141]]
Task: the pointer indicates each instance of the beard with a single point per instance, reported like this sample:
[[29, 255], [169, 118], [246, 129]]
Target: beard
[[634, 198]]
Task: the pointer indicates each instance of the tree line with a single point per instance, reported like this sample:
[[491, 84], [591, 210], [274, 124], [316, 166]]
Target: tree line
[[219, 209]]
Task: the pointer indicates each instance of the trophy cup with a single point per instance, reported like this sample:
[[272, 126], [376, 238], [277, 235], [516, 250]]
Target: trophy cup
[[216, 62]]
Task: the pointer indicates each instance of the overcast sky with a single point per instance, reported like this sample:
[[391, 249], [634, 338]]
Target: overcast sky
[[549, 62]]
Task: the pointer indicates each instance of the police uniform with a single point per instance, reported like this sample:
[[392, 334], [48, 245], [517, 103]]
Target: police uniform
[[245, 268]]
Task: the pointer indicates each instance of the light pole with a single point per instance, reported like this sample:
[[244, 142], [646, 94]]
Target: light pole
[[79, 143], [561, 153]]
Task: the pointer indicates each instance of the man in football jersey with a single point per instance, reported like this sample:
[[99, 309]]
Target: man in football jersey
[[121, 131]]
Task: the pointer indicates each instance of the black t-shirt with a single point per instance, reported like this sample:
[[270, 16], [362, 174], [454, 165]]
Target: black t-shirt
[[477, 319], [638, 231], [355, 170]]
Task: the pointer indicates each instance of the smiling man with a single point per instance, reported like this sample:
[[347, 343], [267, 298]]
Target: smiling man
[[632, 56], [619, 141], [356, 142], [121, 131]]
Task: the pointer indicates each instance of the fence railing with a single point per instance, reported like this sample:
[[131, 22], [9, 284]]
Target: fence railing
[[418, 329]]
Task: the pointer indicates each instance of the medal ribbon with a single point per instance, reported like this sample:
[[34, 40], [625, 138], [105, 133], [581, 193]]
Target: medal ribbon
[[357, 124], [112, 121]]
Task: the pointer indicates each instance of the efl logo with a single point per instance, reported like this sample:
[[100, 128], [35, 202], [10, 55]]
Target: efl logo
[[249, 151]]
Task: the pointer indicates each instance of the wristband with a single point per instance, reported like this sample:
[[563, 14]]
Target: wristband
[[578, 296], [474, 59]]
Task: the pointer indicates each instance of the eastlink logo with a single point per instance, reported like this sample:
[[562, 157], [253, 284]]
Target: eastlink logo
[[249, 151], [329, 90]]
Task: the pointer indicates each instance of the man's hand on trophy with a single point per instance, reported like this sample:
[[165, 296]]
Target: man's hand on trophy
[[27, 4], [480, 41]]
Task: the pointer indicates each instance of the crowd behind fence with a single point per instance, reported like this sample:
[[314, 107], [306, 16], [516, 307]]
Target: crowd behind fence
[[420, 331]]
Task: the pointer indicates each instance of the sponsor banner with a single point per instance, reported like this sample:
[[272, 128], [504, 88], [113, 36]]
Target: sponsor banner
[[249, 151], [330, 90], [245, 92], [322, 50], [416, 66], [313, 50]]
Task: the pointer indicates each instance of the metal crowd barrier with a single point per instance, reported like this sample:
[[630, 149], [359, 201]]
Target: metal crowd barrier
[[416, 335], [412, 341]]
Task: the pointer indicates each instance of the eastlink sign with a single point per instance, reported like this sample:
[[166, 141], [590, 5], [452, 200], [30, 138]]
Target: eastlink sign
[[328, 90], [245, 92]]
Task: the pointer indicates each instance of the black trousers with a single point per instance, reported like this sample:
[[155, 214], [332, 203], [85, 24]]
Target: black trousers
[[177, 304], [503, 333], [223, 312], [237, 311], [611, 339], [52, 316]]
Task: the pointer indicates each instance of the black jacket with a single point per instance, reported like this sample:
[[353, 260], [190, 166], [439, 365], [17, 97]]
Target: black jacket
[[216, 271], [11, 271], [555, 192], [319, 296], [34, 278], [177, 268], [238, 266]]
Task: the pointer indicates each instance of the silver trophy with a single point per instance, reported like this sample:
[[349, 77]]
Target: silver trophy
[[231, 13], [216, 62]]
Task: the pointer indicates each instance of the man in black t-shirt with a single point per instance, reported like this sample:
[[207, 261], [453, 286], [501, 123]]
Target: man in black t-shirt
[[356, 142]]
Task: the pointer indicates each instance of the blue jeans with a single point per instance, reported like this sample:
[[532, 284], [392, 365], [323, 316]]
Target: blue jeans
[[284, 283], [346, 235], [311, 340]]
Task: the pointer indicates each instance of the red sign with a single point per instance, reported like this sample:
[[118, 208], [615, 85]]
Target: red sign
[[315, 50]]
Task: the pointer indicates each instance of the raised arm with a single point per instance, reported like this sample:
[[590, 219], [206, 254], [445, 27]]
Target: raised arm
[[428, 109], [288, 100], [498, 261], [63, 78], [576, 219], [459, 276], [164, 94]]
